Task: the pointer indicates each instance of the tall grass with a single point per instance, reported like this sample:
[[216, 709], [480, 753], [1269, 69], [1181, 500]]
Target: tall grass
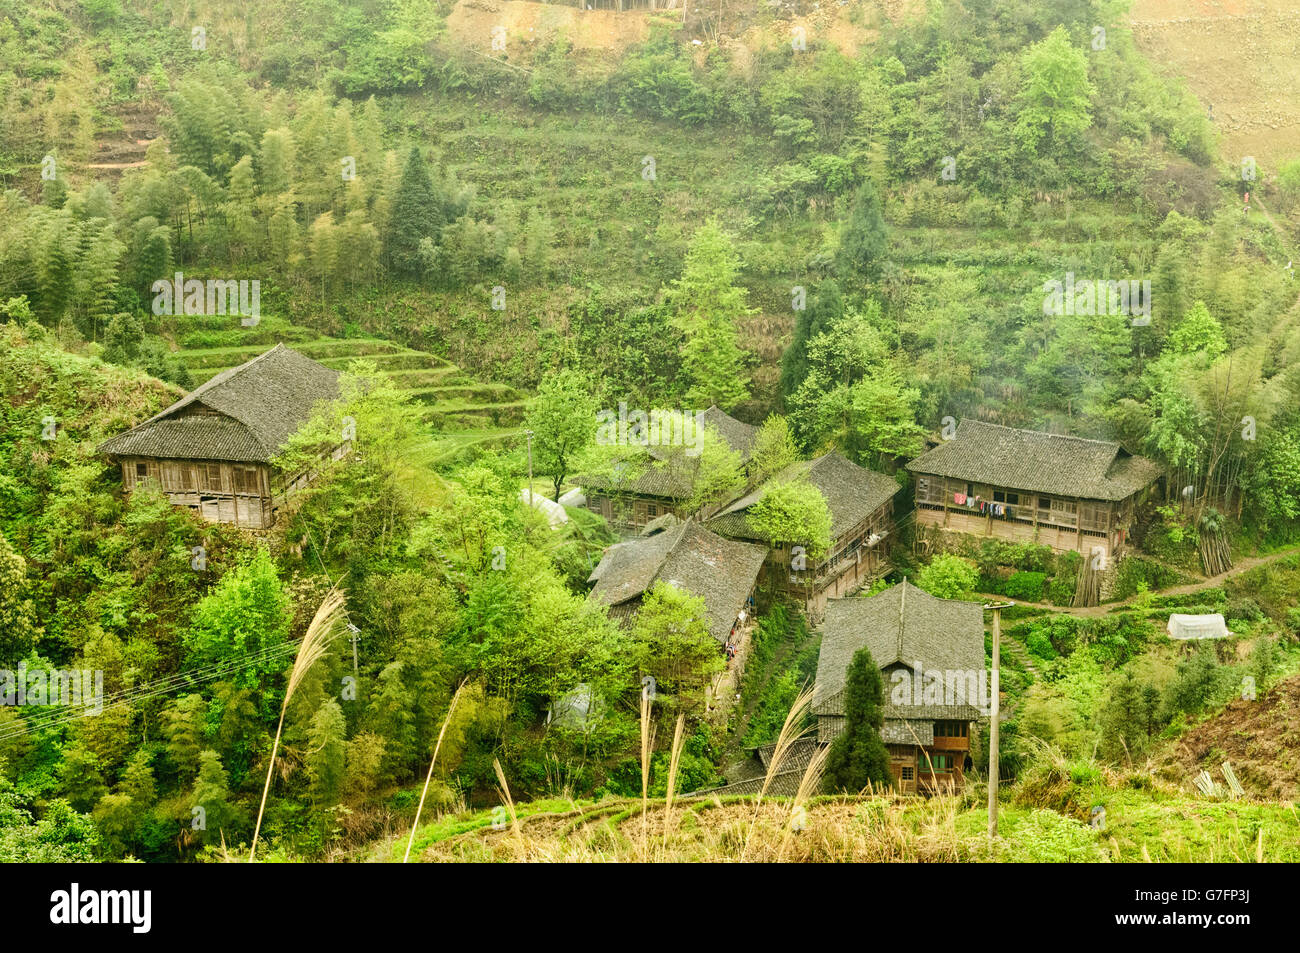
[[429, 777], [315, 644]]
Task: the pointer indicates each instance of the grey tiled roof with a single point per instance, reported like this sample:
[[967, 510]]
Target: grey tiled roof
[[911, 731], [669, 472], [902, 625], [720, 571], [1038, 462], [660, 523], [740, 436], [251, 411], [750, 776], [852, 494]]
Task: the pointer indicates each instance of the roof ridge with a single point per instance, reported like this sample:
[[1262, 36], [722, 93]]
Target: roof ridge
[[212, 383], [1041, 433], [902, 614]]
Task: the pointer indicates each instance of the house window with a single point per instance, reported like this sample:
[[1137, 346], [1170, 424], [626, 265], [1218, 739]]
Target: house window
[[246, 480], [907, 774], [141, 471], [940, 763], [210, 476], [1002, 497], [651, 510], [950, 729]]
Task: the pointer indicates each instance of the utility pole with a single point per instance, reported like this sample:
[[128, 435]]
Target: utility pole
[[529, 435], [994, 714], [356, 634]]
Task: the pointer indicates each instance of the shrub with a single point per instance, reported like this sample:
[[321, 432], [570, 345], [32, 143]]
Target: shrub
[[1027, 586], [1245, 610], [1040, 645]]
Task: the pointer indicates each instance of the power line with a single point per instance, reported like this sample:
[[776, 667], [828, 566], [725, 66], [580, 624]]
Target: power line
[[155, 689]]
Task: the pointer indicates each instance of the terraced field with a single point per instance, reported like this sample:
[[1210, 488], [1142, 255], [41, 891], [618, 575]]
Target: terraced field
[[461, 412]]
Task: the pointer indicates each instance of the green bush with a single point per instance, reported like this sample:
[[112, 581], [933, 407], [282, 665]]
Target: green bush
[[1027, 586], [1040, 645], [1244, 610]]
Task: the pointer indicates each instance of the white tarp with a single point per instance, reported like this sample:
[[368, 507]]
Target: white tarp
[[579, 707], [555, 514], [574, 497], [1197, 626]]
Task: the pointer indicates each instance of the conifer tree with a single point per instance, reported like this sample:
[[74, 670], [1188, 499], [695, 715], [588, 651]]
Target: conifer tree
[[858, 757], [862, 240], [416, 215]]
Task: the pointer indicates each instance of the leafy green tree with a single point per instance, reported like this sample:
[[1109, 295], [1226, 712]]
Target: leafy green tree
[[61, 835], [824, 307], [365, 758], [184, 725], [18, 629], [854, 397], [1271, 483], [774, 448], [82, 777], [671, 642], [794, 512], [707, 304], [222, 817], [563, 421], [326, 753], [858, 756], [360, 508], [246, 613], [391, 717], [1198, 331], [948, 576], [1055, 94], [719, 473]]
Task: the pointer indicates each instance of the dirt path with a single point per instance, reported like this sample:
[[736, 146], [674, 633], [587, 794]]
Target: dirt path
[[1104, 609]]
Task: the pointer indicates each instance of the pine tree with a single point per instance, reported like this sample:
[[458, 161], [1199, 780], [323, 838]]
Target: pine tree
[[416, 215], [862, 240], [858, 757]]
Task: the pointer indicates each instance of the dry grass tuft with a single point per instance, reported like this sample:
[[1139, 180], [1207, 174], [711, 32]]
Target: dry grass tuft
[[315, 644]]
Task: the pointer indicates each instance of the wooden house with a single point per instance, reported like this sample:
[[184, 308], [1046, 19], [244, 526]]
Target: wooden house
[[664, 481], [720, 571], [931, 655], [861, 504], [1024, 486], [211, 451]]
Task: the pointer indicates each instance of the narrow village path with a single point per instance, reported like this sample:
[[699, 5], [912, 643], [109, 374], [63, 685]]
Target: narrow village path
[[1104, 609]]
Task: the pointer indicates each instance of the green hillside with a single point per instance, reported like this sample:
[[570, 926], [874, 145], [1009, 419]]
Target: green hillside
[[851, 243]]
